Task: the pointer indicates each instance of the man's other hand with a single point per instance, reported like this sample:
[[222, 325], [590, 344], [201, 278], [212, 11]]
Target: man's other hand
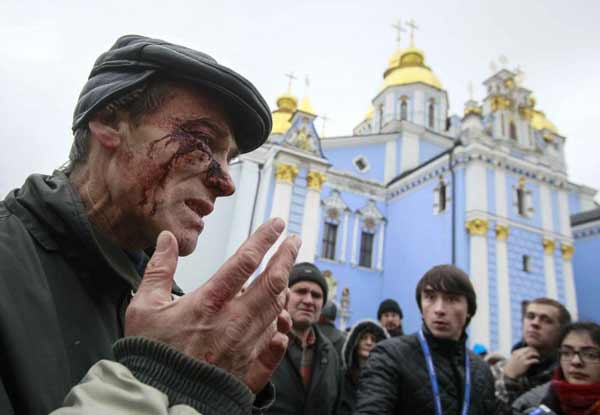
[[520, 360], [244, 334]]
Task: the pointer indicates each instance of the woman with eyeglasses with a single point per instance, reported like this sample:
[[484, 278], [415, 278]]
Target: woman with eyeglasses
[[575, 385]]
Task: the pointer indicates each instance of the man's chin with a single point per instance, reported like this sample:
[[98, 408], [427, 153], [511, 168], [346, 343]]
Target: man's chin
[[187, 244]]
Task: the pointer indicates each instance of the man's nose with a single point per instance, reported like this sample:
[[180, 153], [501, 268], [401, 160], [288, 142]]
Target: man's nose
[[219, 179], [438, 307]]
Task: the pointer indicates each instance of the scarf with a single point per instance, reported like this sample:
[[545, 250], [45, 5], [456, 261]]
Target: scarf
[[576, 399]]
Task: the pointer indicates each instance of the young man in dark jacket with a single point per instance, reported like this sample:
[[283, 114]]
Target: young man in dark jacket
[[307, 380], [155, 127], [432, 371]]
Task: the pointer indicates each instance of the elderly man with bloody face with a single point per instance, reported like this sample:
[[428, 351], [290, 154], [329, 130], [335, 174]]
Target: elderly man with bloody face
[[431, 371], [155, 128]]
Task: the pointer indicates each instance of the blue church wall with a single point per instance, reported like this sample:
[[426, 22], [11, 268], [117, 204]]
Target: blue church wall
[[524, 285], [297, 203], [416, 240], [560, 276], [586, 263], [574, 203], [533, 218], [342, 158], [364, 283], [555, 211], [492, 284], [428, 150], [491, 190]]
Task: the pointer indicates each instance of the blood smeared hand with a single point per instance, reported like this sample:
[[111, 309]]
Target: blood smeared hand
[[244, 334]]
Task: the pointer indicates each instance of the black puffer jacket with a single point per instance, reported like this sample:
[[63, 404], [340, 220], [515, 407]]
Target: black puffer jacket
[[322, 395], [63, 292], [351, 363], [395, 379]]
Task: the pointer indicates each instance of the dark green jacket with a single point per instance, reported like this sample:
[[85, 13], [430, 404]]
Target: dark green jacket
[[63, 292], [321, 397]]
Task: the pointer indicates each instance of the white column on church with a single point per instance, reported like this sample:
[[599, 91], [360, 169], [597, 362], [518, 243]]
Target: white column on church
[[410, 151], [380, 249], [570, 295], [390, 160], [311, 217], [563, 213], [502, 276], [282, 200], [476, 204], [344, 237], [354, 239], [263, 194], [549, 271]]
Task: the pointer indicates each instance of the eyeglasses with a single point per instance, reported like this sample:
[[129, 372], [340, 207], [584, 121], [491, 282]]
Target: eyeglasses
[[587, 355]]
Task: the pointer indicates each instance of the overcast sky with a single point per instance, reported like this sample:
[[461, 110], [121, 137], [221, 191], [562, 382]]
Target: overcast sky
[[48, 48]]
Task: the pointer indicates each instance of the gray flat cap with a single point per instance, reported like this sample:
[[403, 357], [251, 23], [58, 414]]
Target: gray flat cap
[[134, 59]]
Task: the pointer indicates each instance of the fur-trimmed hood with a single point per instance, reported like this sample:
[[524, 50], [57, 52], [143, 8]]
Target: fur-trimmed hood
[[357, 331]]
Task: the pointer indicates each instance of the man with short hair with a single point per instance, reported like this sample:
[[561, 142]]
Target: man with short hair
[[155, 127], [431, 371], [390, 317], [307, 380], [533, 358]]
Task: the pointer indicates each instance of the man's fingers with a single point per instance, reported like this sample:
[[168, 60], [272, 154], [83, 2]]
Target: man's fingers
[[267, 295], [267, 361], [229, 279], [158, 278], [284, 322]]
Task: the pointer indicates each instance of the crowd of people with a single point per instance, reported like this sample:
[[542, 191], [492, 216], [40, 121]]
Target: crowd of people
[[91, 321]]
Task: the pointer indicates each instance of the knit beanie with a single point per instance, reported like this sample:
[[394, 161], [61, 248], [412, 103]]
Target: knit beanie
[[389, 305], [305, 271]]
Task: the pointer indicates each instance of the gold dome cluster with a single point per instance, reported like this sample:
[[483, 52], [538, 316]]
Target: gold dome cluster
[[407, 66]]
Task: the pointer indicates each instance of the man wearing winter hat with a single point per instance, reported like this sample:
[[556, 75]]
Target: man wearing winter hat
[[307, 380], [390, 317], [155, 127]]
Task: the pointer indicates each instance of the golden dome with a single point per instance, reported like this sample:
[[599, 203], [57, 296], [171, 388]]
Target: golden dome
[[540, 122], [305, 106], [407, 66], [370, 112], [286, 105]]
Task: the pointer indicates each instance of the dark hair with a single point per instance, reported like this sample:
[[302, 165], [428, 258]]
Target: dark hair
[[593, 329], [448, 279], [564, 317], [137, 103]]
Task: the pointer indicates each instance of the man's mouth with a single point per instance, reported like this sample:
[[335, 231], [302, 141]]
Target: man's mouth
[[199, 207]]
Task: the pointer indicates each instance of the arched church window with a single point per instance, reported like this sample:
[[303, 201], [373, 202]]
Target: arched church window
[[366, 243], [403, 108], [431, 111], [330, 231], [380, 111], [440, 198], [512, 131], [523, 201]]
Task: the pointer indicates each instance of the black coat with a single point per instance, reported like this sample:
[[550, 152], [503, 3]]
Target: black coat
[[395, 379], [321, 396], [63, 292], [335, 336]]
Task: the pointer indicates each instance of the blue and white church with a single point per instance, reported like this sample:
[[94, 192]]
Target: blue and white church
[[413, 187]]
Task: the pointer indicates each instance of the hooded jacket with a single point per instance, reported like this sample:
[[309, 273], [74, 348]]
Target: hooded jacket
[[351, 363], [64, 288], [395, 379]]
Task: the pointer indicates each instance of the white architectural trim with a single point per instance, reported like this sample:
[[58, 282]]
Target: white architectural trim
[[504, 309], [546, 208], [570, 293], [500, 188], [563, 213], [263, 194], [354, 239], [550, 276], [476, 186], [344, 237], [480, 325], [410, 151], [282, 200], [244, 197], [310, 226], [380, 249], [390, 167]]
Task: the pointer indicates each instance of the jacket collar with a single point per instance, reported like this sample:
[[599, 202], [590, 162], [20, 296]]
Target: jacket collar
[[52, 212], [446, 347]]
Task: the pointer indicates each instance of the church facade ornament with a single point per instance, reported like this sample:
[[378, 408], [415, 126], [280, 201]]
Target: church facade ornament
[[549, 246], [501, 232], [315, 180], [567, 251], [477, 226], [286, 173]]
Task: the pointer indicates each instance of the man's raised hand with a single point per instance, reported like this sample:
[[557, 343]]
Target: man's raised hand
[[243, 334]]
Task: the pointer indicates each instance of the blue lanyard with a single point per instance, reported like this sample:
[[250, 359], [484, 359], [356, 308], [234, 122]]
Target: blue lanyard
[[434, 382]]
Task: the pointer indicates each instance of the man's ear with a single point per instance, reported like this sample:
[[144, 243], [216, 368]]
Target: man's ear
[[106, 134]]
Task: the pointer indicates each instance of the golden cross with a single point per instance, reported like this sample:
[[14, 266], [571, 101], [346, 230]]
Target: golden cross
[[325, 118], [519, 76], [470, 87], [306, 84], [413, 26], [291, 78], [399, 29]]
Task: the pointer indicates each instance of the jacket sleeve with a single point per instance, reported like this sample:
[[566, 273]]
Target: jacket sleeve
[[507, 388], [5, 405], [152, 378], [530, 400], [378, 385]]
